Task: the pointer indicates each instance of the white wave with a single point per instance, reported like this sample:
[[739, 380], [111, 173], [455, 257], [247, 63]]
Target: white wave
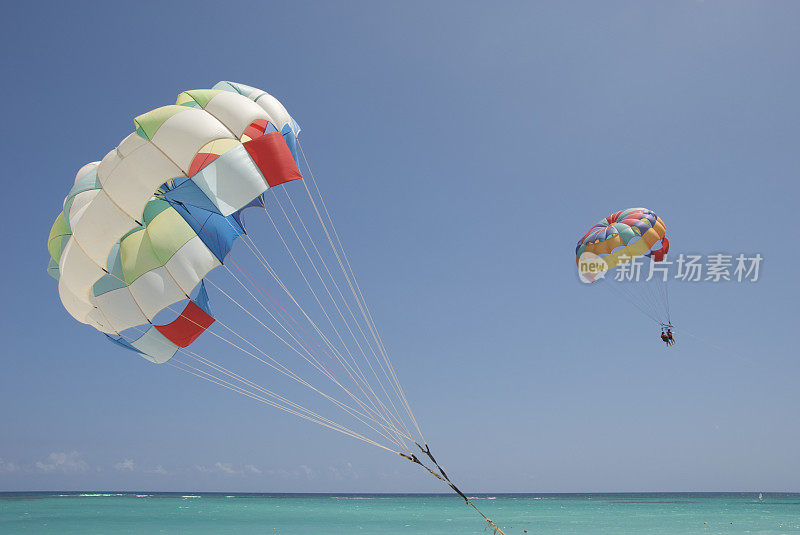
[[362, 497]]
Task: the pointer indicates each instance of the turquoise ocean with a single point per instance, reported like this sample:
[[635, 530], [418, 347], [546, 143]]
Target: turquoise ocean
[[89, 513]]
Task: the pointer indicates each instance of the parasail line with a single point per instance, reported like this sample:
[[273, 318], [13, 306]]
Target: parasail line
[[347, 305], [621, 293], [258, 301], [365, 306], [376, 411], [655, 301], [285, 313], [339, 360], [319, 276], [256, 386], [262, 260], [251, 384], [367, 320], [328, 374], [210, 364], [308, 284], [313, 293], [220, 382], [324, 372], [290, 374], [260, 256]]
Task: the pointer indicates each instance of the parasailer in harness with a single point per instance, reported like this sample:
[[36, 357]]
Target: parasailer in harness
[[666, 335]]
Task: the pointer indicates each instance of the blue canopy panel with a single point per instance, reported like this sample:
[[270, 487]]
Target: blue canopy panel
[[217, 231], [200, 298], [185, 191], [290, 136], [120, 341]]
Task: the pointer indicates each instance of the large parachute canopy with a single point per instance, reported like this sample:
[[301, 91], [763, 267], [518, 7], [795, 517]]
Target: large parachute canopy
[[141, 228]]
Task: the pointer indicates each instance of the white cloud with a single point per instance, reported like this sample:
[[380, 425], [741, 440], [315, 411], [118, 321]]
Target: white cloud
[[229, 469], [308, 472], [251, 469], [226, 468], [343, 471], [68, 463], [158, 470], [125, 465], [302, 471], [7, 467]]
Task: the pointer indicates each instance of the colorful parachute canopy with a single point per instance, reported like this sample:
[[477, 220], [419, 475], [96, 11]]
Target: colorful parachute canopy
[[140, 229], [625, 235]]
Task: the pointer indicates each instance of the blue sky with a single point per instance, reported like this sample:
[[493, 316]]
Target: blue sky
[[463, 148]]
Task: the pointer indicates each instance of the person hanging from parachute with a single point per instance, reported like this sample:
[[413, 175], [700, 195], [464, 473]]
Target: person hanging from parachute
[[623, 240], [666, 335]]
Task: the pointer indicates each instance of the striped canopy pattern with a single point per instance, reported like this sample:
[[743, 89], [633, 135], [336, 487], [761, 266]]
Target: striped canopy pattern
[[141, 228], [622, 236]]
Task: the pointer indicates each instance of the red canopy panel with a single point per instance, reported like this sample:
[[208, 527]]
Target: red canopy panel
[[658, 255], [256, 128], [200, 160], [273, 158], [188, 326]]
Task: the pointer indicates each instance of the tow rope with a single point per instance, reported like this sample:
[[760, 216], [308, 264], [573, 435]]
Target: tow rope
[[442, 476]]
